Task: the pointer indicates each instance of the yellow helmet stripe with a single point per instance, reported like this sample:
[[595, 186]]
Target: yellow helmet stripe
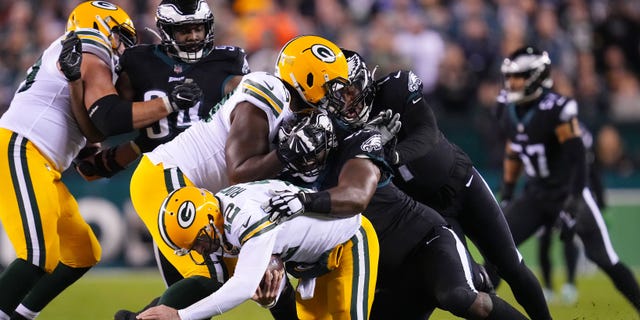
[[259, 227], [264, 95]]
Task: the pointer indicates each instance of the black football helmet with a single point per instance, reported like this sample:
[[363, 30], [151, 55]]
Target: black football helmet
[[361, 90], [172, 14], [534, 66], [306, 145]]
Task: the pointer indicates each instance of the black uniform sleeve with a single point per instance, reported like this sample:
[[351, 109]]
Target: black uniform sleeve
[[421, 132], [576, 155]]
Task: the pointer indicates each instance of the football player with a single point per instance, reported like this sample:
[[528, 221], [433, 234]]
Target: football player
[[543, 139], [320, 251], [436, 172], [413, 238], [40, 138], [185, 57]]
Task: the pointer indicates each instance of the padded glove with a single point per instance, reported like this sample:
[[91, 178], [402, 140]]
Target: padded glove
[[185, 95], [70, 57], [387, 123], [283, 205]]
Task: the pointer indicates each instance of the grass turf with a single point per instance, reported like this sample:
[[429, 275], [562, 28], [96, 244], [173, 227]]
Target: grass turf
[[103, 291]]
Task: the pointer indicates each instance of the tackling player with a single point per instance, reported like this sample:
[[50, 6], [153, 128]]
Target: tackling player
[[436, 172], [543, 138], [414, 240]]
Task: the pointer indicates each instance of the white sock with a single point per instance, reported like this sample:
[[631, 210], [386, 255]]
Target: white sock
[[23, 311]]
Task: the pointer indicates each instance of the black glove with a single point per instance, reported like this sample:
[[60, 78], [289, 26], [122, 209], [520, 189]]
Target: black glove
[[185, 95], [104, 164], [567, 226], [283, 205], [574, 205], [506, 194], [387, 123], [70, 57]]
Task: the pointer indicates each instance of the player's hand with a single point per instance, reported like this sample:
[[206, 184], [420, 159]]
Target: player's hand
[[387, 123], [574, 205], [185, 95], [101, 164], [70, 57], [269, 287], [160, 312], [283, 205]]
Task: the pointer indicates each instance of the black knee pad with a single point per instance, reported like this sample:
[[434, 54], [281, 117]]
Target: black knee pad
[[457, 300]]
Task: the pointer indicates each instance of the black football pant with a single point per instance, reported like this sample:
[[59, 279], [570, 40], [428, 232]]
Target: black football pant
[[527, 213]]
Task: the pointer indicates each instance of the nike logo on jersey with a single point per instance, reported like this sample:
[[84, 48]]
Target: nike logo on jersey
[[416, 100], [431, 240], [246, 223], [469, 182], [397, 76], [269, 85]]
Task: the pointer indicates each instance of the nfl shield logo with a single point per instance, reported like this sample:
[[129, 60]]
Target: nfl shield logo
[[177, 68]]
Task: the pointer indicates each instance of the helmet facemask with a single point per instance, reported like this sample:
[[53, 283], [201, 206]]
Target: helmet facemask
[[173, 16], [531, 65], [311, 140], [357, 99]]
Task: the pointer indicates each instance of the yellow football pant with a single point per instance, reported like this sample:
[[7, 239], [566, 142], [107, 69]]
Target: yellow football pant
[[346, 292], [150, 185], [39, 214]]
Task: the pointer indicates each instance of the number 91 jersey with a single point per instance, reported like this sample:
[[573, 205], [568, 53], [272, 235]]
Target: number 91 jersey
[[533, 130], [153, 74]]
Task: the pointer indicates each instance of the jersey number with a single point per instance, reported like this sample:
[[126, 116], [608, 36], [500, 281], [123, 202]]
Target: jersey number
[[161, 129], [533, 156]]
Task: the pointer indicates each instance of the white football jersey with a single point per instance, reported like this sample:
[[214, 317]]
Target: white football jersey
[[40, 109], [199, 151], [302, 239]]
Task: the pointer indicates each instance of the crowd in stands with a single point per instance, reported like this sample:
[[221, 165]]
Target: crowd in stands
[[455, 47]]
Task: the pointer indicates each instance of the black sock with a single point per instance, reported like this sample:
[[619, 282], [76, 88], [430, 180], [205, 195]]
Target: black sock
[[51, 285], [16, 281], [625, 282], [188, 290]]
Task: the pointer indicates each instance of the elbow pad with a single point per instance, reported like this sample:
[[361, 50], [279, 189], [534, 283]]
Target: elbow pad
[[112, 115]]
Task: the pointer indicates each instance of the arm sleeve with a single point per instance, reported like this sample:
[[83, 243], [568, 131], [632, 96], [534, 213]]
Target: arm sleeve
[[576, 156], [252, 263], [421, 129]]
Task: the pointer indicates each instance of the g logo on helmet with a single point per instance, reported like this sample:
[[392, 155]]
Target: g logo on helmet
[[104, 5], [186, 214], [323, 53]]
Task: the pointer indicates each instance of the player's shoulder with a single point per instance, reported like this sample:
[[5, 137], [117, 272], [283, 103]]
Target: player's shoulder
[[559, 105], [400, 81], [266, 86], [365, 140]]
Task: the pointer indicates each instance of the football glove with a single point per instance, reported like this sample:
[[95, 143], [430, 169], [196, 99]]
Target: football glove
[[185, 95], [70, 57], [102, 164], [284, 205], [387, 123], [574, 205]]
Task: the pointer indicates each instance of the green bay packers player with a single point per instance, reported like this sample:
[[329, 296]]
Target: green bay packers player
[[321, 252], [41, 137]]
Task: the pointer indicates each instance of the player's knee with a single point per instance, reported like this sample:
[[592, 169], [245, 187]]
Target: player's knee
[[457, 300], [481, 307]]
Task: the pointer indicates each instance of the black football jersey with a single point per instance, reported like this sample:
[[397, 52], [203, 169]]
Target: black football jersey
[[400, 222], [154, 74], [423, 169], [531, 130]]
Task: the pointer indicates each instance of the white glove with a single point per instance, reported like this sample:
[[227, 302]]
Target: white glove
[[283, 205], [387, 123]]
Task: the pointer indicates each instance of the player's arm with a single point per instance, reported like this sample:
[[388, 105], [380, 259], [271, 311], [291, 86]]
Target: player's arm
[[511, 170], [421, 128], [568, 134], [247, 150]]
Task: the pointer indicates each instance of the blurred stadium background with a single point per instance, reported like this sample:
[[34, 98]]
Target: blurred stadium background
[[456, 47]]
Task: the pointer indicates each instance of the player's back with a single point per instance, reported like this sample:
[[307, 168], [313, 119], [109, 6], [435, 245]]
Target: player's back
[[153, 74], [302, 239], [199, 151]]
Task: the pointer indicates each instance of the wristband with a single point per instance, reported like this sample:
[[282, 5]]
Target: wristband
[[167, 104], [318, 202]]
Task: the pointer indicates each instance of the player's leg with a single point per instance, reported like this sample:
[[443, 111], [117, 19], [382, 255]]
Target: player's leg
[[446, 275], [79, 251], [347, 291], [29, 216], [484, 223], [593, 232], [544, 248]]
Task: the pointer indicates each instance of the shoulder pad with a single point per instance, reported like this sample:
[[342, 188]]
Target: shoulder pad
[[95, 43], [265, 89]]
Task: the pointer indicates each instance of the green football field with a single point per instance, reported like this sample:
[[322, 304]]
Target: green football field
[[102, 292]]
